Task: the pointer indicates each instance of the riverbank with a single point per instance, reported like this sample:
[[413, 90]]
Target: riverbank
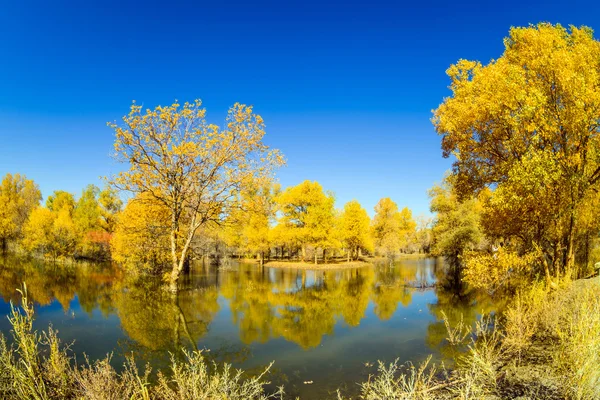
[[313, 266]]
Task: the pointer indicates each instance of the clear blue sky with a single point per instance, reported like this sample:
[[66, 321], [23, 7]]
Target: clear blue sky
[[346, 89]]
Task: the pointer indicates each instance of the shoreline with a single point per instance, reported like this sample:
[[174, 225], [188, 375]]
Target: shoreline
[[313, 266]]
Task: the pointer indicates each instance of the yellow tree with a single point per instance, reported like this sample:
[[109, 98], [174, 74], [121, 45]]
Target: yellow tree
[[355, 229], [193, 168], [110, 207], [88, 218], [538, 104], [407, 228], [260, 213], [386, 227], [50, 233], [308, 214], [248, 229], [59, 200], [38, 231], [141, 238], [457, 224], [18, 197]]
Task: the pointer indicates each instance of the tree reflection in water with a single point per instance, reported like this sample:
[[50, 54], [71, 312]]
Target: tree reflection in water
[[249, 306]]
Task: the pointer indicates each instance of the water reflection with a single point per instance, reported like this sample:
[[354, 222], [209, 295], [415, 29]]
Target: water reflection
[[324, 323]]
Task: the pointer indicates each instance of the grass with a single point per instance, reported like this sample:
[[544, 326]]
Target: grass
[[545, 346]]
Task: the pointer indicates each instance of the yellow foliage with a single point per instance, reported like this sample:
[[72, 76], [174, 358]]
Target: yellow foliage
[[355, 228], [141, 236], [50, 233], [308, 216], [526, 125], [18, 197], [391, 228], [501, 268], [195, 169]]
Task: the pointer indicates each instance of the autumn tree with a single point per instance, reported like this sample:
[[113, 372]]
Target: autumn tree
[[407, 228], [51, 232], [60, 199], [526, 125], [38, 232], [195, 169], [457, 223], [250, 226], [18, 197], [95, 217], [141, 237], [307, 214], [110, 207], [355, 229], [386, 227]]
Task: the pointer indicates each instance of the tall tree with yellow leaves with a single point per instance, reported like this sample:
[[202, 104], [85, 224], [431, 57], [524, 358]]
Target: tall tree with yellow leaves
[[141, 238], [386, 227], [195, 169], [355, 229], [18, 197], [308, 216], [530, 115]]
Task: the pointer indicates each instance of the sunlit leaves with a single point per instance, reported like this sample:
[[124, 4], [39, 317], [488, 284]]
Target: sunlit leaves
[[193, 168], [18, 197], [527, 126]]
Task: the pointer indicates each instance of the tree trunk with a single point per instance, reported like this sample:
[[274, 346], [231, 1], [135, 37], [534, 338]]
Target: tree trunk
[[556, 261], [570, 256], [348, 254], [587, 252], [315, 256], [547, 272], [174, 262], [303, 252], [179, 264]]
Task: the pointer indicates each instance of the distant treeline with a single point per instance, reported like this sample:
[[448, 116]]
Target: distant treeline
[[299, 222]]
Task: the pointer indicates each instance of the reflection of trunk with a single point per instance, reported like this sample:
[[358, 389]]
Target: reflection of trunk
[[184, 325], [303, 279]]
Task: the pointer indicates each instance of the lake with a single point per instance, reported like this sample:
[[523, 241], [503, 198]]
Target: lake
[[328, 327]]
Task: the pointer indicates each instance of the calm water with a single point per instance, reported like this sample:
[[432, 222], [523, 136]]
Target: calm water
[[327, 327]]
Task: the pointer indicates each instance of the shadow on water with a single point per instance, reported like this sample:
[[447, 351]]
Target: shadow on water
[[325, 326]]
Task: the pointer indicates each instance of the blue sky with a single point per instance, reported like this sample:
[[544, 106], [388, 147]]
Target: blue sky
[[346, 89]]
